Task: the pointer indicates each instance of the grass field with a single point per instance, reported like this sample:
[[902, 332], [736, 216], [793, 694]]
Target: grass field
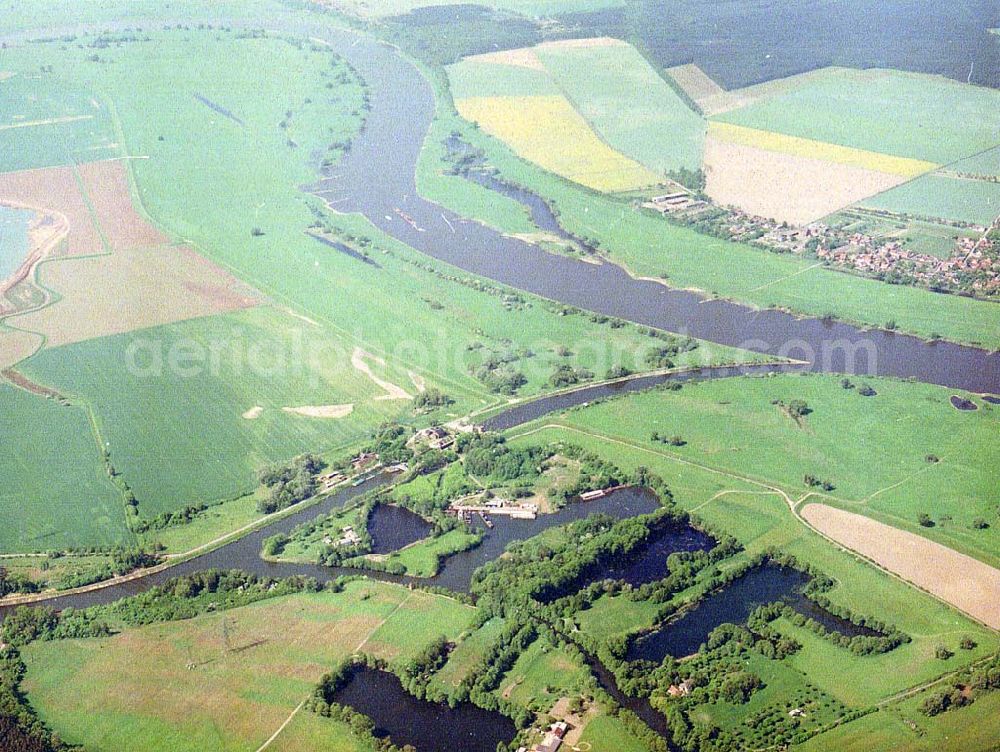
[[56, 492], [902, 728], [608, 733], [256, 363], [547, 130], [984, 164], [467, 655], [542, 674], [421, 559], [49, 123], [231, 699], [945, 120], [940, 196], [632, 108], [733, 426]]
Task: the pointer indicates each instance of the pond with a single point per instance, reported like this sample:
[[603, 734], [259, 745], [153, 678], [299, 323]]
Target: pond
[[648, 563], [427, 726], [14, 243], [733, 604], [392, 528]]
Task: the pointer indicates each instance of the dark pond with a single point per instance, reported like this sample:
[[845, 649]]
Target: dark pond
[[991, 399], [961, 403], [427, 726], [649, 563], [733, 604], [392, 528], [745, 43]]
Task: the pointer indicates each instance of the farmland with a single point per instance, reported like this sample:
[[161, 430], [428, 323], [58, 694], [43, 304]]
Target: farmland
[[528, 98], [66, 498], [939, 196], [223, 703], [861, 109], [649, 246], [548, 131], [627, 102]]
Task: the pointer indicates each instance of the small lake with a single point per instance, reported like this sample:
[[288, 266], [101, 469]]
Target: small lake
[[392, 528], [426, 726], [13, 239], [646, 564], [733, 604]]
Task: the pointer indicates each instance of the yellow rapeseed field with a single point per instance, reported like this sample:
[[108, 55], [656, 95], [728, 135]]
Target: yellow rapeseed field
[[547, 130], [804, 147]]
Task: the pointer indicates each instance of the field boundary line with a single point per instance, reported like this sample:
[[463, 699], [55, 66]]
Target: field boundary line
[[282, 727], [378, 626]]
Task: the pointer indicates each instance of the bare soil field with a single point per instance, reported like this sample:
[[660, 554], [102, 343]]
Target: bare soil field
[[55, 190], [585, 43], [786, 187], [15, 346], [321, 411], [132, 289], [521, 58], [392, 391], [966, 583], [107, 187], [696, 83]]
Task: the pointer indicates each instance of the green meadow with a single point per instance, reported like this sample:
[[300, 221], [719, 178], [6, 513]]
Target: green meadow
[[627, 102], [924, 117], [957, 199], [65, 125], [56, 492]]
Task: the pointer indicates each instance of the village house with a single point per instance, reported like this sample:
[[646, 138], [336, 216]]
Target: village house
[[436, 437], [364, 460]]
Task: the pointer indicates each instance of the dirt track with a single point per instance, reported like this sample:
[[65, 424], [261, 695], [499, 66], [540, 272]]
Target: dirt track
[[966, 583]]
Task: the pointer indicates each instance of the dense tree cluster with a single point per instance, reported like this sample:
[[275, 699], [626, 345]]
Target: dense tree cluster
[[289, 484]]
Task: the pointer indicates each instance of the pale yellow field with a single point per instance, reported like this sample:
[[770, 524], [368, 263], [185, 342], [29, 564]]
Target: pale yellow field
[[547, 130], [520, 58], [786, 187], [804, 147]]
